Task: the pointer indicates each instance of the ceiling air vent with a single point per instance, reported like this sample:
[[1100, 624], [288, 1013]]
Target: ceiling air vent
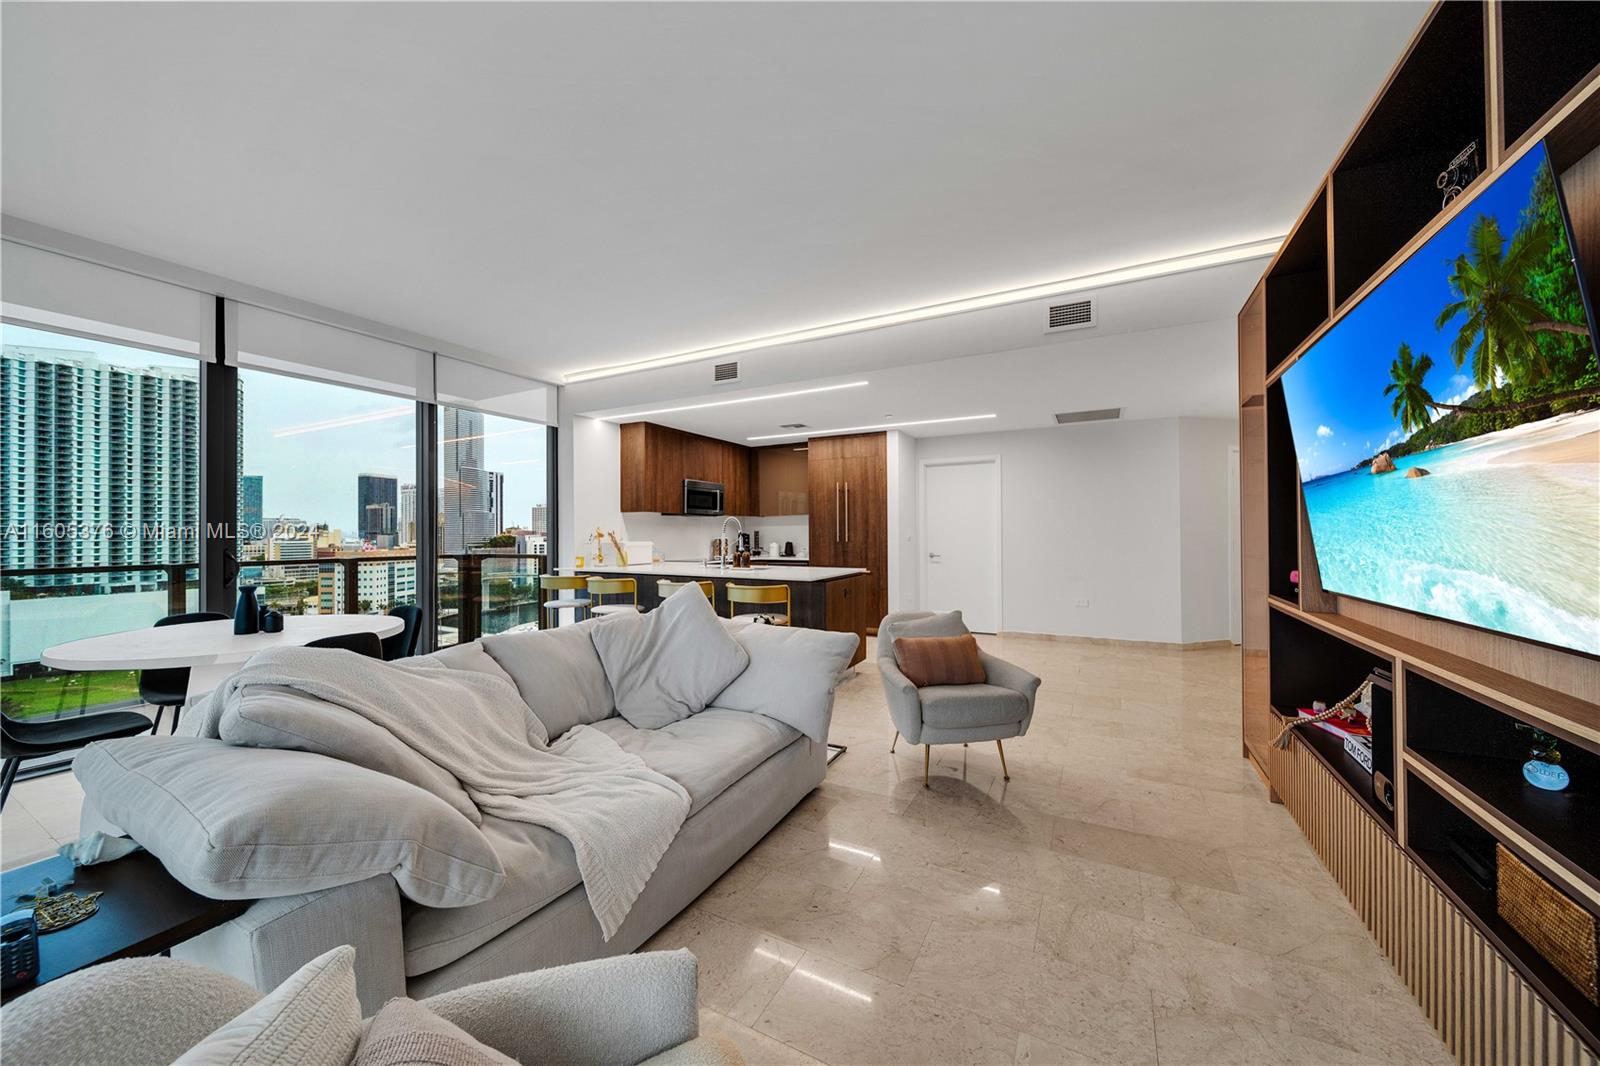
[[725, 373], [1105, 414], [1078, 314], [794, 425]]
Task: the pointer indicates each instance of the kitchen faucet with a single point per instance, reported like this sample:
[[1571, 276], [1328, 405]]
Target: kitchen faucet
[[722, 559]]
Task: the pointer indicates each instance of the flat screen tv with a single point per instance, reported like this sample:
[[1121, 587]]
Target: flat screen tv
[[1448, 427]]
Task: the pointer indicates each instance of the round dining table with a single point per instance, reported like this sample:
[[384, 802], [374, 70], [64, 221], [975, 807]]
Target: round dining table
[[209, 650]]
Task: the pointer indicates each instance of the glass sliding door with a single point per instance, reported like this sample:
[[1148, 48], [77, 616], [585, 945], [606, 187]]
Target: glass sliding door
[[99, 499], [493, 520], [327, 495]]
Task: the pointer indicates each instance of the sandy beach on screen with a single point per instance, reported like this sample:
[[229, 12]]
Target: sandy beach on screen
[[1564, 439]]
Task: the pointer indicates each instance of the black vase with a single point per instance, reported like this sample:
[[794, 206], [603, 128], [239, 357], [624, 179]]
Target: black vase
[[246, 613], [271, 621]]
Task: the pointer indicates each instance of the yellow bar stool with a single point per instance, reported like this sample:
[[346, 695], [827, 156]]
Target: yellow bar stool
[[601, 587], [760, 594], [666, 587], [578, 605]]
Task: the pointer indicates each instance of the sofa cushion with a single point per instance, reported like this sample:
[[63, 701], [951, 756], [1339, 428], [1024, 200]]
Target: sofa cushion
[[558, 674], [791, 676], [940, 660], [670, 663], [971, 706], [312, 1018], [248, 823], [470, 656], [707, 752], [405, 1033], [270, 716], [540, 866]]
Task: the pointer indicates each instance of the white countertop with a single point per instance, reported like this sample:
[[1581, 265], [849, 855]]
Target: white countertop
[[758, 572]]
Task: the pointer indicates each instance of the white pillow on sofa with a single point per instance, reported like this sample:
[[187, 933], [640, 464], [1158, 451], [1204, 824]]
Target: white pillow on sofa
[[312, 1019], [791, 676], [670, 663], [249, 823]]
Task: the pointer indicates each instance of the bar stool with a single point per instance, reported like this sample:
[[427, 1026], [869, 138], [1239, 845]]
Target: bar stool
[[760, 594], [578, 605], [666, 587], [601, 587]]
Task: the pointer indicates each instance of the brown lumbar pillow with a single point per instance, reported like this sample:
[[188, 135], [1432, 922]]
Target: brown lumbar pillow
[[405, 1033], [940, 660]]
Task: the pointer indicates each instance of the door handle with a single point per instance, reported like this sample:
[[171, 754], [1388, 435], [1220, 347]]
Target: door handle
[[847, 512], [836, 512], [934, 555]]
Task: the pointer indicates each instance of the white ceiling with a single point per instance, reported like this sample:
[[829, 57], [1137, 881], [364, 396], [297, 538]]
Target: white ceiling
[[571, 185]]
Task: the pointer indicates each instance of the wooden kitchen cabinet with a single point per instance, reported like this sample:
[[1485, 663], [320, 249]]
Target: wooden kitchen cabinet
[[656, 460], [781, 484], [848, 489]]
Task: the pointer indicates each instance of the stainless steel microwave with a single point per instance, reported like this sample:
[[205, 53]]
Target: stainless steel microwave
[[702, 497]]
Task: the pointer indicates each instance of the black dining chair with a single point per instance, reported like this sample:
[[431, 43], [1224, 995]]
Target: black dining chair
[[24, 738], [366, 644], [403, 644], [170, 687]]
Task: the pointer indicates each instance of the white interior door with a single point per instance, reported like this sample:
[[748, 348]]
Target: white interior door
[[961, 540]]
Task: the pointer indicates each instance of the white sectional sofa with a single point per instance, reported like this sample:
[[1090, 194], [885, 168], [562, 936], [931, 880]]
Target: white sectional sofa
[[744, 768]]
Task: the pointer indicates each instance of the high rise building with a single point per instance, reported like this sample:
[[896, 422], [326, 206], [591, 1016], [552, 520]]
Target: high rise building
[[541, 519], [377, 501], [463, 482], [407, 530], [101, 463], [497, 501], [250, 508]]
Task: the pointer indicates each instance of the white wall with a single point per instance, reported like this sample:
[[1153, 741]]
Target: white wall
[[1099, 513]]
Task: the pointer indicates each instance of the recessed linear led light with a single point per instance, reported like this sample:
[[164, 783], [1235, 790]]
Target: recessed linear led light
[[735, 400], [1233, 253], [869, 429]]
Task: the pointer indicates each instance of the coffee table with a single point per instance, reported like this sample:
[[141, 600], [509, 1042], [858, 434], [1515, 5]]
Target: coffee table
[[144, 911]]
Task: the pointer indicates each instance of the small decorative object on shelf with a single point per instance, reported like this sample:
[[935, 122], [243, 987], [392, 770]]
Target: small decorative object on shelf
[[271, 621], [1294, 579], [578, 561], [1461, 172], [247, 613], [1543, 768]]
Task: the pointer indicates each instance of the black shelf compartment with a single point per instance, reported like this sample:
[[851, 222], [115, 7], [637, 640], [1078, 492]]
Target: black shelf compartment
[[1308, 663], [1297, 285], [1545, 50], [1383, 187], [1477, 747], [1438, 833], [1283, 500]]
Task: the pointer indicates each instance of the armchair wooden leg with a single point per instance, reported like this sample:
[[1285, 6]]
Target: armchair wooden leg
[[895, 741], [927, 757], [1004, 773]]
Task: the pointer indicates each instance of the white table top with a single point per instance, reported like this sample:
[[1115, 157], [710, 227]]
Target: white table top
[[205, 643], [758, 572]]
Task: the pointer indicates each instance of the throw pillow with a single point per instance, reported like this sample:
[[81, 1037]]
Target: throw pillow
[[247, 823], [791, 676], [405, 1033], [557, 673], [940, 660], [312, 1019], [670, 663]]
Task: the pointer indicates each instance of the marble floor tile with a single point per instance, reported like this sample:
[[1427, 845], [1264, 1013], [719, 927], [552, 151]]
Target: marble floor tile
[[758, 1049], [740, 968], [838, 1014]]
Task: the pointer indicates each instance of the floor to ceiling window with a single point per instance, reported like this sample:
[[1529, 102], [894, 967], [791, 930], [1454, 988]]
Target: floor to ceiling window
[[99, 498], [327, 495], [493, 522]]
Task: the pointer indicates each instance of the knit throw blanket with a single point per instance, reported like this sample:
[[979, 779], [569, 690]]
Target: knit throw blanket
[[619, 814]]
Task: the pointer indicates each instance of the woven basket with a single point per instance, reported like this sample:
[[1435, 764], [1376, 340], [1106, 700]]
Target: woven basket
[[1560, 930]]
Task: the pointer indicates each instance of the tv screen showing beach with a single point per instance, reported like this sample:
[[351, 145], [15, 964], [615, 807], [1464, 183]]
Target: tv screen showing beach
[[1448, 427]]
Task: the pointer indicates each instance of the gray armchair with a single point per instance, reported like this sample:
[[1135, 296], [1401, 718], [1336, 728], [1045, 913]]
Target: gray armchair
[[953, 714], [628, 1009]]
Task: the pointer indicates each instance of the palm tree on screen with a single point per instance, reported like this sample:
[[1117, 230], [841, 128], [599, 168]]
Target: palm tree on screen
[[1413, 405]]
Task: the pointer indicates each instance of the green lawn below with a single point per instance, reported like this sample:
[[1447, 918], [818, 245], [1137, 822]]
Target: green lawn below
[[30, 697]]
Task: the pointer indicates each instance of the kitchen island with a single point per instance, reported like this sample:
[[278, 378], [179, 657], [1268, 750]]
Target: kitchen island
[[820, 597]]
